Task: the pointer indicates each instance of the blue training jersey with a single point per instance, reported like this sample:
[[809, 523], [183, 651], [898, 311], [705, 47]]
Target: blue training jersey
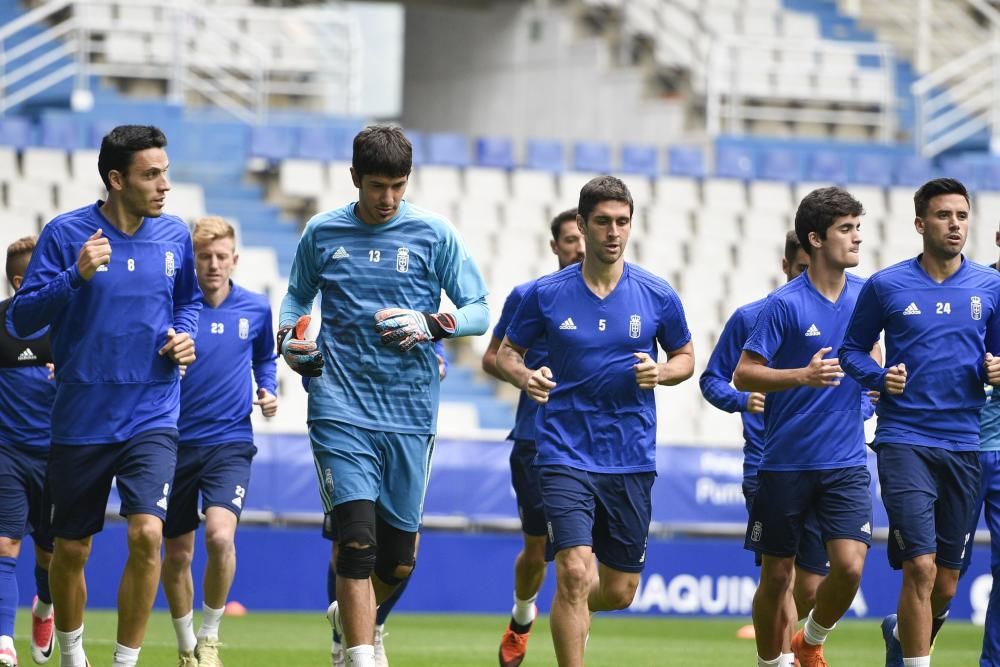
[[106, 332], [716, 382], [807, 428], [989, 423], [26, 392], [360, 269], [537, 356], [941, 332], [216, 392], [598, 418]]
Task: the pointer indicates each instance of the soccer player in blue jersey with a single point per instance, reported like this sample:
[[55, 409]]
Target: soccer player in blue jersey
[[26, 397], [216, 439], [813, 460], [379, 264], [530, 565], [115, 281], [941, 316], [595, 433]]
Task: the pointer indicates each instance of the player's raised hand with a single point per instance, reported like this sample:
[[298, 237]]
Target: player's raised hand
[[992, 369], [822, 373], [895, 379], [755, 402], [179, 348], [647, 372], [540, 384], [300, 353], [267, 401], [96, 252]]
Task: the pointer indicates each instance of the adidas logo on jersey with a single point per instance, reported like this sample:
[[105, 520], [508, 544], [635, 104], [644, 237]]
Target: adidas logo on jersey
[[162, 503], [27, 355], [867, 528], [568, 324], [812, 330], [238, 502], [340, 253], [912, 309]]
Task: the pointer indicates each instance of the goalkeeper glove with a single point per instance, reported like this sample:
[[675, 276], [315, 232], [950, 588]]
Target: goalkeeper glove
[[301, 355], [406, 328]]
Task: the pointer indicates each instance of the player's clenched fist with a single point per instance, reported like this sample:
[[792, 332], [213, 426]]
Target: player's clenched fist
[[822, 373], [96, 252], [992, 369], [755, 402], [267, 401], [647, 371], [539, 385], [895, 379], [179, 348]]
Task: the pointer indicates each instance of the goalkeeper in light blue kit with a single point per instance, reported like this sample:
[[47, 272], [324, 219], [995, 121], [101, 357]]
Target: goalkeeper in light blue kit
[[379, 264]]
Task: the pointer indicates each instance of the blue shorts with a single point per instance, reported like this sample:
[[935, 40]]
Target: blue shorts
[[79, 481], [607, 512], [220, 472], [390, 469], [527, 488], [811, 554], [23, 496], [839, 500], [930, 495]]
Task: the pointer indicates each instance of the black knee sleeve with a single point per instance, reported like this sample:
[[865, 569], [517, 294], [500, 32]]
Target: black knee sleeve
[[356, 528], [395, 548]]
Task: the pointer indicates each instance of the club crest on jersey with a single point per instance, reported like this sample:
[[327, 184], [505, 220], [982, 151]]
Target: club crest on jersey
[[977, 308], [244, 328], [403, 260], [168, 263], [634, 326]]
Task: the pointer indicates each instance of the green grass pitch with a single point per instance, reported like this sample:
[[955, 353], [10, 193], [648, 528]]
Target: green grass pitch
[[424, 640]]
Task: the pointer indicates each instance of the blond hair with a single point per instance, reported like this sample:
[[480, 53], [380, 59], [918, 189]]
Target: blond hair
[[18, 253], [212, 228]]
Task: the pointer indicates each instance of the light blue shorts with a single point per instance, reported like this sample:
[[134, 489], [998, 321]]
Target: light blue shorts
[[390, 469]]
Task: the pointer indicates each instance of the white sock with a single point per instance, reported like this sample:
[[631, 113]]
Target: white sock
[[42, 609], [361, 656], [925, 661], [125, 656], [786, 660], [210, 620], [815, 633], [184, 627], [524, 610], [761, 662], [71, 648], [6, 641]]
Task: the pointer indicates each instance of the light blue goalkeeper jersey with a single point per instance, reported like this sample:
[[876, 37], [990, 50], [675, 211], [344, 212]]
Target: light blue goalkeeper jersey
[[359, 269]]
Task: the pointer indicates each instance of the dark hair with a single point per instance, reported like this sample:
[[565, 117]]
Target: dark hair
[[18, 253], [792, 246], [931, 189], [819, 209], [559, 220], [603, 188], [121, 143], [382, 150]]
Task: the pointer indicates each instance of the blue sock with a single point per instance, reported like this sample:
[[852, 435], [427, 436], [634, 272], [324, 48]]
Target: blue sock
[[42, 584], [385, 608], [8, 595]]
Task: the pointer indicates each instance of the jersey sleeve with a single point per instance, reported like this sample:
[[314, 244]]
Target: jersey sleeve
[[528, 323], [303, 280], [716, 380], [264, 358], [464, 285], [50, 282], [507, 314], [768, 332], [867, 322], [187, 294], [673, 333]]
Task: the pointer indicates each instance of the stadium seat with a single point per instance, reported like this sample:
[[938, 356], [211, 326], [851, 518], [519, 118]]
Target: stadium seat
[[901, 203], [8, 163], [447, 148], [592, 156], [186, 200], [47, 165], [640, 159], [827, 166], [273, 143], [72, 195], [487, 184], [779, 164], [15, 131], [417, 140], [525, 215], [640, 186], [533, 185], [772, 196], [911, 170], [545, 155], [734, 162], [686, 161], [338, 176], [871, 197], [301, 178], [476, 216], [570, 183], [724, 193], [440, 182], [60, 131], [324, 143], [83, 167], [872, 169], [678, 193], [495, 152]]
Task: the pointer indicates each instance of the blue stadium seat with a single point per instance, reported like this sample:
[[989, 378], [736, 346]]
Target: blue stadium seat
[[912, 170], [417, 140], [989, 176], [966, 171], [448, 148], [592, 156], [872, 169], [60, 131], [545, 154], [272, 143], [734, 162], [15, 131], [686, 161], [495, 152], [827, 166], [639, 159], [316, 143], [100, 127], [779, 164]]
